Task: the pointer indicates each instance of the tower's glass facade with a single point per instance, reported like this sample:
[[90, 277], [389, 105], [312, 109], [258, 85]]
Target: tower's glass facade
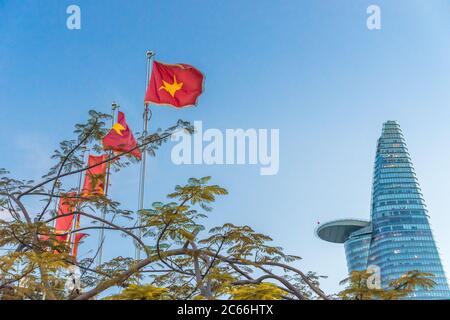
[[357, 249], [398, 238], [401, 237]]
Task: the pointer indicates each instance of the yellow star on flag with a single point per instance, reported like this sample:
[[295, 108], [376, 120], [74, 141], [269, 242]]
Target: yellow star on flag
[[172, 88], [117, 127]]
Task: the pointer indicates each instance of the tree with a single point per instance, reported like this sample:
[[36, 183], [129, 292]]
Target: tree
[[182, 260], [357, 288]]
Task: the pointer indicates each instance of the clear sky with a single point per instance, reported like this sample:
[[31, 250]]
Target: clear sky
[[310, 68]]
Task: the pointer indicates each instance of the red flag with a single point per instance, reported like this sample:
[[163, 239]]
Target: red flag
[[120, 138], [177, 85], [63, 223], [94, 179], [66, 206], [76, 241], [58, 238]]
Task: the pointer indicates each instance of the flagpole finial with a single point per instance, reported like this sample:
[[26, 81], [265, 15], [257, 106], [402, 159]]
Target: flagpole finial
[[150, 54], [114, 105]]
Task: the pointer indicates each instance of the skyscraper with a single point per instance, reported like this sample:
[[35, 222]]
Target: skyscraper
[[398, 237]]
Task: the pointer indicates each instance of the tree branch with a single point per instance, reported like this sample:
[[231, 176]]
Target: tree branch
[[286, 283], [90, 167]]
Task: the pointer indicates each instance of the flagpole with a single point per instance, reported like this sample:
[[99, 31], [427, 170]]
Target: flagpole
[[57, 201], [142, 172], [101, 238]]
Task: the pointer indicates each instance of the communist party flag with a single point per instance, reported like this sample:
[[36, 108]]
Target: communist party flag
[[76, 241], [66, 205], [94, 179], [120, 138], [177, 85], [64, 221]]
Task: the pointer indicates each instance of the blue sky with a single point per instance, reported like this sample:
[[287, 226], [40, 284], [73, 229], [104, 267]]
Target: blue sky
[[309, 68]]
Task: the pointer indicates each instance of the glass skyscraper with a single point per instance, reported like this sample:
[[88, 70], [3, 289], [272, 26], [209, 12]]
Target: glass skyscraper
[[398, 238]]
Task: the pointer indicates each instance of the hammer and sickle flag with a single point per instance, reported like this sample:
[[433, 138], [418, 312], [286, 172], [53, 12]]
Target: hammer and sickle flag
[[94, 179], [176, 85], [120, 138]]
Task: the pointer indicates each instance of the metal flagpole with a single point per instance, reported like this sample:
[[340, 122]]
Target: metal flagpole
[[101, 237], [147, 112]]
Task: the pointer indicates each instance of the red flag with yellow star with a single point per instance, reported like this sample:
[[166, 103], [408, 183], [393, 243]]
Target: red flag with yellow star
[[121, 139], [94, 179], [177, 85]]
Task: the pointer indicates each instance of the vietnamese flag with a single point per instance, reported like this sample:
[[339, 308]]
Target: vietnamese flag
[[76, 241], [120, 138], [94, 179], [177, 85]]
